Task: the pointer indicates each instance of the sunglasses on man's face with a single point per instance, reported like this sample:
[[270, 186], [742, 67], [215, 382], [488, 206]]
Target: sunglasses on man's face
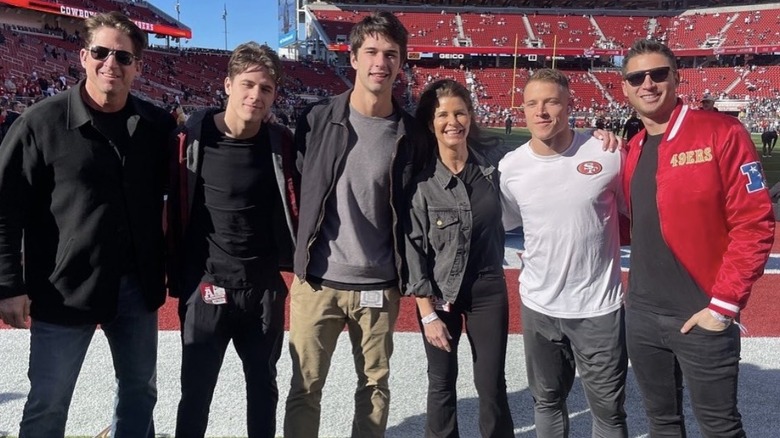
[[657, 75], [101, 53]]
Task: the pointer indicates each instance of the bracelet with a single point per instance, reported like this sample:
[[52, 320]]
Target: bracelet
[[723, 319], [429, 318]]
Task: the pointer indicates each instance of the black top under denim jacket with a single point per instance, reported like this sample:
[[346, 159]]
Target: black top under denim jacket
[[322, 135], [77, 197], [438, 229], [185, 168]]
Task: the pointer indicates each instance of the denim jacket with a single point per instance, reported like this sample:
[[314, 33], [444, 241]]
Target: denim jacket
[[438, 230]]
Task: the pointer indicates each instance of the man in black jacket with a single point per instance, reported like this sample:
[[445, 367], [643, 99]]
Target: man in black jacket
[[768, 140], [82, 178], [358, 161], [239, 189], [632, 127]]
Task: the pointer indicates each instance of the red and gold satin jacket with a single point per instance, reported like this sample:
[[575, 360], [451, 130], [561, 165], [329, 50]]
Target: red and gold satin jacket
[[714, 207]]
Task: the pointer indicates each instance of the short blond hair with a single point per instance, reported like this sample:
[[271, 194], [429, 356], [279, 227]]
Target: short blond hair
[[550, 75]]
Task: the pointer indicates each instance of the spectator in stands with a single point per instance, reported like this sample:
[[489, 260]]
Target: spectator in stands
[[81, 188], [10, 86], [708, 103], [239, 232], [9, 117], [703, 227], [508, 124], [457, 280], [632, 126], [347, 266], [572, 311]]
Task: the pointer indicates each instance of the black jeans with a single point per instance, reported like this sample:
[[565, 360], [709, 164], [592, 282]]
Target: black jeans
[[707, 361], [485, 309], [254, 320]]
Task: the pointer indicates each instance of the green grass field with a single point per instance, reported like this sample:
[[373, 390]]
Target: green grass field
[[771, 165]]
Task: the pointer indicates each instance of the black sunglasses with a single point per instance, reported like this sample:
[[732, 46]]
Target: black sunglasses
[[637, 78], [101, 53]]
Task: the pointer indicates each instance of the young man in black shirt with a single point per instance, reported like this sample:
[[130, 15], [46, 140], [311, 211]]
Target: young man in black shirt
[[702, 231], [232, 219]]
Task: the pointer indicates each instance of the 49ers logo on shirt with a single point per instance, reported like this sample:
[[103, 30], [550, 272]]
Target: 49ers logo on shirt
[[590, 168]]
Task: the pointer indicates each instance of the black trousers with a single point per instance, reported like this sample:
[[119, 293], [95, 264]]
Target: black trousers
[[768, 146], [484, 308], [254, 320], [708, 362]]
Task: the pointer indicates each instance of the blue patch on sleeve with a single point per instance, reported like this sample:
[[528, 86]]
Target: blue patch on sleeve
[[755, 176]]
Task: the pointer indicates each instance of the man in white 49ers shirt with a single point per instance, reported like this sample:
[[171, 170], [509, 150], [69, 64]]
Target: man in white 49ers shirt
[[566, 193]]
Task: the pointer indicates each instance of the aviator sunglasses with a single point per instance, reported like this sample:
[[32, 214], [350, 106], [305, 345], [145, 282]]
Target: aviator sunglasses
[[101, 53], [637, 78]]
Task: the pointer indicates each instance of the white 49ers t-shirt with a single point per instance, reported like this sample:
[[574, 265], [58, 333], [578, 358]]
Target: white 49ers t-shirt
[[568, 206]]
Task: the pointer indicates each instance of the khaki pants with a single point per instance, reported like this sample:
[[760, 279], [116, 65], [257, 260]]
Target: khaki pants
[[317, 317]]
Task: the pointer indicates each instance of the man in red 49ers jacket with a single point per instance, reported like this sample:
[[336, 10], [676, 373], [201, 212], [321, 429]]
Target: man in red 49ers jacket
[[702, 229]]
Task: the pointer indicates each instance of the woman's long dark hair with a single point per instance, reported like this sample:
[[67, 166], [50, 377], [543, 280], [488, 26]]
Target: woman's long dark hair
[[429, 101]]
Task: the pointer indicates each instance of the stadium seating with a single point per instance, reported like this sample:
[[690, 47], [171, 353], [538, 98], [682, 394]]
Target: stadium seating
[[137, 10], [571, 31], [761, 82], [753, 28], [337, 24], [697, 30], [696, 82], [611, 81], [489, 30], [584, 92], [198, 74], [622, 31]]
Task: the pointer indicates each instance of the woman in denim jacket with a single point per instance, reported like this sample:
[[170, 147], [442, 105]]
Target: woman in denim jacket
[[454, 251]]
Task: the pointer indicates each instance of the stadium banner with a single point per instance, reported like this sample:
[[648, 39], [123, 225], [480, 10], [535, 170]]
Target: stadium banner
[[732, 106], [338, 47], [455, 56], [288, 26], [73, 11]]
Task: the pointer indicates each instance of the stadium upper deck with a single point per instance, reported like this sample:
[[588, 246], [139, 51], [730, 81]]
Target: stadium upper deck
[[568, 32], [462, 42]]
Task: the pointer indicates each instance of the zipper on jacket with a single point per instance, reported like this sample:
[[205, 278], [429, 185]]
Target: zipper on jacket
[[318, 225], [118, 152], [396, 252]]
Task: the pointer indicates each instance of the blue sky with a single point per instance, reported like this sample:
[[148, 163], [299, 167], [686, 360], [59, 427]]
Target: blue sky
[[247, 20]]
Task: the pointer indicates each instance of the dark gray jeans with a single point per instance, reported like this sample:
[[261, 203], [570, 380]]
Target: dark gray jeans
[[708, 362], [555, 348], [57, 353]]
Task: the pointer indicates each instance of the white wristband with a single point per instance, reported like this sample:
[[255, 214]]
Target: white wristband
[[723, 319], [427, 319]]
